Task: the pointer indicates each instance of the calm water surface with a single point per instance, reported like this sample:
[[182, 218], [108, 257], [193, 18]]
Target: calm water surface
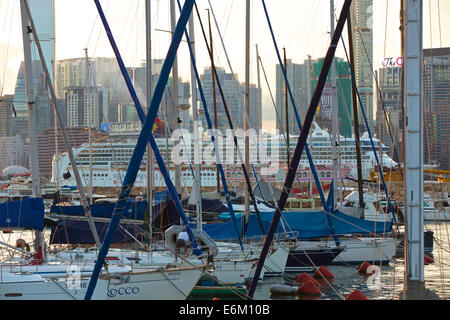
[[347, 279]]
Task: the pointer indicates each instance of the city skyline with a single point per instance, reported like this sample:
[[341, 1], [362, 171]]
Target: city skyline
[[301, 32]]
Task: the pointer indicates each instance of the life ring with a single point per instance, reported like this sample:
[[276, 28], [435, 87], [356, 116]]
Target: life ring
[[21, 244]]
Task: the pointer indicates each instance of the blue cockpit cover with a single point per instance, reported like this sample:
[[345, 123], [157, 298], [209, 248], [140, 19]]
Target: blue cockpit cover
[[308, 224]]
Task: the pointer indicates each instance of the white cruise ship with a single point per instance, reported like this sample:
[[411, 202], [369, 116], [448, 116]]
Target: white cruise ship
[[268, 155]]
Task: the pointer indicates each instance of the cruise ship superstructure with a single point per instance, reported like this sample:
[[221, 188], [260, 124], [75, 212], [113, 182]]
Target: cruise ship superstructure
[[110, 158]]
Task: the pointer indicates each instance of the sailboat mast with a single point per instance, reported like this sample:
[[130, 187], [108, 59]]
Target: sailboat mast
[[286, 105], [88, 109], [175, 97], [87, 209], [355, 115], [32, 125], [213, 85], [247, 104], [196, 126], [335, 121], [413, 124], [148, 51]]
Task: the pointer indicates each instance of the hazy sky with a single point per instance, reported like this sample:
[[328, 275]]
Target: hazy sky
[[302, 26]]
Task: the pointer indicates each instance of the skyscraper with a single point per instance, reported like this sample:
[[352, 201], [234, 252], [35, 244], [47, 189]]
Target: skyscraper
[[41, 99], [77, 103], [297, 83], [344, 97], [6, 114], [436, 89], [234, 98], [302, 80], [389, 81], [43, 13], [362, 26]]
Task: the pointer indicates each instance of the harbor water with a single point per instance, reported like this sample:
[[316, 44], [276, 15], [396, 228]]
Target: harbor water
[[388, 284]]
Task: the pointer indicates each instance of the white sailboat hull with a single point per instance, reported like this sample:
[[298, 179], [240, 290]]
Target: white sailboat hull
[[170, 284], [436, 215], [372, 250]]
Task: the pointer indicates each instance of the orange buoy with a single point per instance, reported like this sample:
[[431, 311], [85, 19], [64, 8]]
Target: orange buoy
[[309, 288], [356, 295], [323, 272], [363, 267], [215, 298], [428, 260], [305, 277]]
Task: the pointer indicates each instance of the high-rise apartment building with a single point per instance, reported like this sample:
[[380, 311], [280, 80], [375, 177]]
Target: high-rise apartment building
[[302, 80], [436, 101], [233, 91], [390, 106], [6, 115], [436, 89], [79, 103], [298, 84], [362, 26]]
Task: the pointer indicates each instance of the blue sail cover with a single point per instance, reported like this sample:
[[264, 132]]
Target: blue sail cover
[[23, 214], [79, 232], [134, 210], [308, 224]]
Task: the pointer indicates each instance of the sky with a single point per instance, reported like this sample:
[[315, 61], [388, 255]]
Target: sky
[[300, 26]]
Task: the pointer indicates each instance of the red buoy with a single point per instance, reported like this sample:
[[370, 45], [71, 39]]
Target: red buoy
[[363, 267], [305, 277], [323, 272], [309, 288], [356, 295]]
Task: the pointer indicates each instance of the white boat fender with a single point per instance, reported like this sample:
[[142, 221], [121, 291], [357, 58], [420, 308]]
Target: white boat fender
[[283, 289]]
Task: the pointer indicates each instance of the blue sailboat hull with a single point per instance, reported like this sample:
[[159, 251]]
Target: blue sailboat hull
[[301, 260]]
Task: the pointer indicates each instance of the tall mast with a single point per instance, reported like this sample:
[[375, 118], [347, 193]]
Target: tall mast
[[308, 97], [335, 121], [413, 124], [213, 79], [247, 103], [175, 97], [286, 105], [32, 125], [84, 202], [196, 126], [355, 115], [148, 51], [259, 88], [88, 109]]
